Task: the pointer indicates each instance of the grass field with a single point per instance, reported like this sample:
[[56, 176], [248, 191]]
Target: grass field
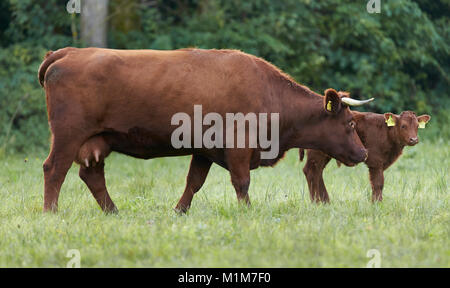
[[411, 228]]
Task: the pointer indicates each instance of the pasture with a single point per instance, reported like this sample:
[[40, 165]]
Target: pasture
[[410, 228]]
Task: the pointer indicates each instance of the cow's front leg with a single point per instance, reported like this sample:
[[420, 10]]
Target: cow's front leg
[[198, 171], [238, 162], [377, 181], [94, 177]]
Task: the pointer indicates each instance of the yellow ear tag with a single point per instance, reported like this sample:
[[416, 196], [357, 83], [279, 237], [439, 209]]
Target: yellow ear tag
[[329, 106], [390, 122], [422, 124]]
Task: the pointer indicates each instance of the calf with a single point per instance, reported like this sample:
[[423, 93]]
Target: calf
[[384, 136]]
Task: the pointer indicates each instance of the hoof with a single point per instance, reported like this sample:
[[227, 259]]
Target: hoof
[[180, 210], [113, 210]]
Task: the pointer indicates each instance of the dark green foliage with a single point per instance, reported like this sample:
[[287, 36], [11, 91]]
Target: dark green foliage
[[23, 122], [28, 31], [400, 56]]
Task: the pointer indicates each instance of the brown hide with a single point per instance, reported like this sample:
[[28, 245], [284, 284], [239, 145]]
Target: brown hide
[[127, 97], [384, 145]]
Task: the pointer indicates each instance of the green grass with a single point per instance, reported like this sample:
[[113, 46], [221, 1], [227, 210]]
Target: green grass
[[410, 228]]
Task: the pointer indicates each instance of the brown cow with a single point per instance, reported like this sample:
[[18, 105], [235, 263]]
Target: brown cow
[[384, 137], [127, 98]]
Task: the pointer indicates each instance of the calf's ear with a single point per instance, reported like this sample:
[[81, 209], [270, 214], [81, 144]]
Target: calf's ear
[[332, 101], [423, 119], [390, 119]]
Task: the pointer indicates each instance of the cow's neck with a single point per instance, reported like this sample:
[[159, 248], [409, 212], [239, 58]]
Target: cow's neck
[[302, 110]]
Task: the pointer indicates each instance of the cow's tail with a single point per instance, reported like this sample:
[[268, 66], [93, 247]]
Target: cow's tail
[[49, 58], [301, 153]]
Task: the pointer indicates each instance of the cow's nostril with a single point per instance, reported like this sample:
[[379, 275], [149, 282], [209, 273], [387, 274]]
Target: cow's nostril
[[413, 140]]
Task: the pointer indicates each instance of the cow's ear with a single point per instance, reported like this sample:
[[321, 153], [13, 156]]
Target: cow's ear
[[390, 119], [332, 101], [423, 119]]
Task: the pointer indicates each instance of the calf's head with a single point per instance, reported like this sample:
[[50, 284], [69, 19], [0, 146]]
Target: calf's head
[[404, 126], [337, 129]]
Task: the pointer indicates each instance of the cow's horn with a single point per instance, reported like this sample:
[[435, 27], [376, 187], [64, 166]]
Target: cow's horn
[[354, 102], [86, 162]]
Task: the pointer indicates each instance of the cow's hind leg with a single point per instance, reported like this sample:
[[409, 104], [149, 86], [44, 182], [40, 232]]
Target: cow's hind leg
[[62, 154], [94, 177], [198, 171], [238, 163]]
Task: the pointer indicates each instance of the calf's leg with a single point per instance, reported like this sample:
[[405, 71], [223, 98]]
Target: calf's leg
[[377, 181], [94, 177], [309, 171], [198, 171], [323, 194], [313, 170]]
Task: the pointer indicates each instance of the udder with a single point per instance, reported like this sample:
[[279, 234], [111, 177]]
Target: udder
[[93, 151]]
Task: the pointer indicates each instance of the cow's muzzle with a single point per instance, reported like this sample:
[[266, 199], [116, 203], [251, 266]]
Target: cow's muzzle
[[361, 156], [413, 141]]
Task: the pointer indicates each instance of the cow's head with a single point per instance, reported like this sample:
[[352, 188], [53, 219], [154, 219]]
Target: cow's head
[[405, 126], [340, 139]]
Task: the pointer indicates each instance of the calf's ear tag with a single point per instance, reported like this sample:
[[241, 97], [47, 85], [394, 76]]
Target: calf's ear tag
[[329, 106], [390, 122], [422, 124]]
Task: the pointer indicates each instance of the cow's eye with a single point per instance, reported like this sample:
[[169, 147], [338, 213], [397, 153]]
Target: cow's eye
[[352, 124], [403, 126]]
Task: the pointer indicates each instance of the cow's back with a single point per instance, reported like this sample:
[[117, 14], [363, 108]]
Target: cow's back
[[122, 89]]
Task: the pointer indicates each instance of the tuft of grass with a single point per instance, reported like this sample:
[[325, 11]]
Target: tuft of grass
[[410, 228]]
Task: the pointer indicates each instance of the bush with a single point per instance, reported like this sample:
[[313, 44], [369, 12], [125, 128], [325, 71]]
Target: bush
[[22, 103]]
